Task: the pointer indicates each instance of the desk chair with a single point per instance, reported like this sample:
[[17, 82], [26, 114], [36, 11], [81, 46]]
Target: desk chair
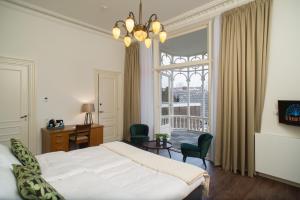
[[81, 136]]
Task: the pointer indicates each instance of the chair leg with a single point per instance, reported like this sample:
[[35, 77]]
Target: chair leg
[[204, 163], [184, 158], [169, 153]]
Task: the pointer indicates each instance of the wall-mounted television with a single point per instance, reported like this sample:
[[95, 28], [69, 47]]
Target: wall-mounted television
[[289, 112]]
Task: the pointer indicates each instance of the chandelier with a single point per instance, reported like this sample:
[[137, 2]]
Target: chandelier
[[141, 32]]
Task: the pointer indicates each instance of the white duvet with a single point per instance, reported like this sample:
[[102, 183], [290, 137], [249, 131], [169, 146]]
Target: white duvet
[[98, 173]]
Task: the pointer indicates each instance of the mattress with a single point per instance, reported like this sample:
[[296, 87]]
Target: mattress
[[99, 173]]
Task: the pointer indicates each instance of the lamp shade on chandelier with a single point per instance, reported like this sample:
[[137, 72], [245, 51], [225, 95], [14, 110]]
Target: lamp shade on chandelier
[[141, 32]]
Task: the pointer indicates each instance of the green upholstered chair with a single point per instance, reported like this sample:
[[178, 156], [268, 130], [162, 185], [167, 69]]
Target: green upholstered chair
[[139, 134], [200, 151]]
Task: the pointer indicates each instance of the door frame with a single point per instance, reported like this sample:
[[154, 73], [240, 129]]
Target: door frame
[[32, 130], [120, 94]]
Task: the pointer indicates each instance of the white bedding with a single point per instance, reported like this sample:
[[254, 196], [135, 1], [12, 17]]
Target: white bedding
[[186, 172], [98, 173], [8, 185]]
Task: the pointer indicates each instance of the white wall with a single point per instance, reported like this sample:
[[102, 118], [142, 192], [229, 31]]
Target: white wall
[[284, 65], [282, 83], [65, 57]]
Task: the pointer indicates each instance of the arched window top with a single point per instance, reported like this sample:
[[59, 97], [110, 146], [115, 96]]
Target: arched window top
[[185, 48], [168, 59]]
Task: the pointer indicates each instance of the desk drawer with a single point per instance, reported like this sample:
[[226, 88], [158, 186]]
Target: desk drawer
[[60, 147], [59, 138], [60, 142]]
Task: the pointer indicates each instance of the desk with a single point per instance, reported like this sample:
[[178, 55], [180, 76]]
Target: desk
[[58, 139]]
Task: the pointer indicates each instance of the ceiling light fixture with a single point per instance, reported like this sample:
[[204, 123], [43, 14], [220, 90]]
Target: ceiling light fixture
[[141, 32]]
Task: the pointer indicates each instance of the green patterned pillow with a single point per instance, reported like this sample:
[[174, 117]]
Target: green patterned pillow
[[32, 186], [24, 155]]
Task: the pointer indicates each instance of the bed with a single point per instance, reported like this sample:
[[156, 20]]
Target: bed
[[119, 171]]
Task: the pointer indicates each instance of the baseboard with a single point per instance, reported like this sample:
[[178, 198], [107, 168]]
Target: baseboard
[[278, 179], [272, 178]]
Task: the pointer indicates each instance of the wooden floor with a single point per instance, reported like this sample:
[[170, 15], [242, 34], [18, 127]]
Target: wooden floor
[[226, 185]]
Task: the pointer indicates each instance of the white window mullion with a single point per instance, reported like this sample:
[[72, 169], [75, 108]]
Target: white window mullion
[[189, 100]]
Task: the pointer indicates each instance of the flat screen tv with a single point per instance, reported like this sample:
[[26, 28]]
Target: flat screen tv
[[289, 112]]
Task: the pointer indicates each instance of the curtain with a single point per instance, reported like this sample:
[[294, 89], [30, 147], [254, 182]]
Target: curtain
[[131, 89], [147, 90], [242, 83], [214, 80]]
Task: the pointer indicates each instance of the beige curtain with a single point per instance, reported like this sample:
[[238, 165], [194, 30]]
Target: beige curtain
[[131, 89], [242, 83]]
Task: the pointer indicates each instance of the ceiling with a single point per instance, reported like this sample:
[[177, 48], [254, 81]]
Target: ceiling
[[103, 13]]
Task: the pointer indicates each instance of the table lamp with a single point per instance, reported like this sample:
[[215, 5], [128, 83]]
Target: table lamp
[[88, 108]]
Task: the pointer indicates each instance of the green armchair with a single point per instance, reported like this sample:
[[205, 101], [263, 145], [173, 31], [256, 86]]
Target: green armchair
[[139, 134], [200, 151]]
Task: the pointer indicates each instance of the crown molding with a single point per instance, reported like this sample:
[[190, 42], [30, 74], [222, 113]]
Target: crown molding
[[51, 14], [202, 13], [189, 18]]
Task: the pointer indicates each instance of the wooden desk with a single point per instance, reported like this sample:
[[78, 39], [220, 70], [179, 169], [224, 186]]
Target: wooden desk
[[58, 140]]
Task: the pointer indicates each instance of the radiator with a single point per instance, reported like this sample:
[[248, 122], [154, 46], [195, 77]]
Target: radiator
[[278, 156]]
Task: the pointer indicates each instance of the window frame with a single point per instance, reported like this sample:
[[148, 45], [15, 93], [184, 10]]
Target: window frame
[[158, 68]]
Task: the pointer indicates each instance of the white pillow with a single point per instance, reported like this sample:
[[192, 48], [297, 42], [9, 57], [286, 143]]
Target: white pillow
[[8, 184], [6, 157]]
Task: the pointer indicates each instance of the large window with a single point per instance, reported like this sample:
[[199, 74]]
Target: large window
[[184, 82], [185, 98]]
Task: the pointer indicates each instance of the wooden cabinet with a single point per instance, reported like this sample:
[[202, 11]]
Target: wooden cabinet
[[58, 140]]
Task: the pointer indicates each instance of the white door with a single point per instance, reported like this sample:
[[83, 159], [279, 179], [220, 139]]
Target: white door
[[13, 103], [108, 104]]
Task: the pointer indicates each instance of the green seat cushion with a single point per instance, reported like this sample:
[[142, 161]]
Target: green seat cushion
[[32, 186], [190, 150], [24, 155], [139, 139]]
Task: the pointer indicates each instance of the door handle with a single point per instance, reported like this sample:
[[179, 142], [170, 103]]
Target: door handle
[[24, 116], [101, 111]]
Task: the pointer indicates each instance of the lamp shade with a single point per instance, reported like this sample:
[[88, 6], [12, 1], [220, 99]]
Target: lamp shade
[[116, 32], [127, 41], [140, 32], [156, 27], [88, 107], [148, 42], [129, 24], [162, 36]]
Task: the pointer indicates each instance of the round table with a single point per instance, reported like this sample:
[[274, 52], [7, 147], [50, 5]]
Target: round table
[[152, 145]]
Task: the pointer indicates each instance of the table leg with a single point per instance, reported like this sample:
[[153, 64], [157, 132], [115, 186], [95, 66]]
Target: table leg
[[169, 153], [157, 151]]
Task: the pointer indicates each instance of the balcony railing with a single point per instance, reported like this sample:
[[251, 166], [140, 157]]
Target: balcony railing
[[185, 122]]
